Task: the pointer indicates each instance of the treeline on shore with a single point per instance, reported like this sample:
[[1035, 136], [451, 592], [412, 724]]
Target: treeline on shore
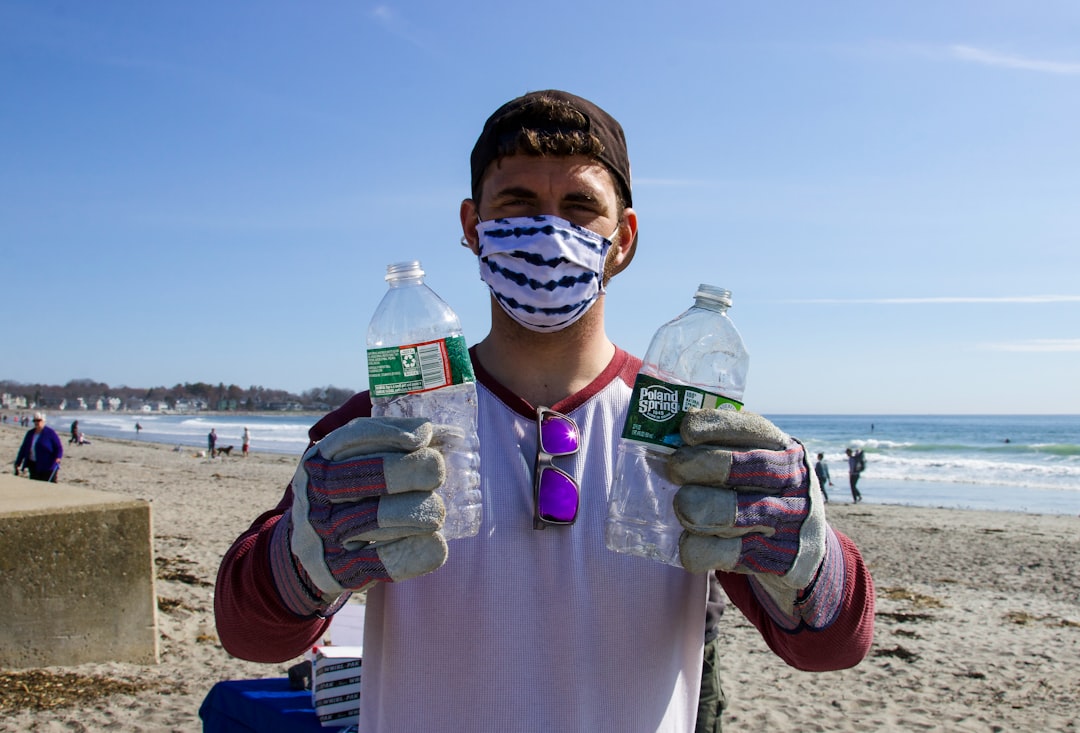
[[87, 394]]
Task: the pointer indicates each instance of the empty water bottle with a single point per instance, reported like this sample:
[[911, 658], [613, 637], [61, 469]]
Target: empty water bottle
[[418, 366], [695, 361]]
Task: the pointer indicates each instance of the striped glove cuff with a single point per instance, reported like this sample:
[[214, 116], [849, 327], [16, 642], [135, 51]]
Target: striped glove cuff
[[298, 593], [817, 605]]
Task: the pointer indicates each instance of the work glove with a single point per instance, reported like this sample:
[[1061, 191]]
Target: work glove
[[747, 505], [363, 511]]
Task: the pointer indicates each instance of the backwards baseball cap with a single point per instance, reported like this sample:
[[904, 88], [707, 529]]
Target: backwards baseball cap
[[556, 113]]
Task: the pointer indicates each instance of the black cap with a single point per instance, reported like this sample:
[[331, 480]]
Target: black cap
[[526, 113]]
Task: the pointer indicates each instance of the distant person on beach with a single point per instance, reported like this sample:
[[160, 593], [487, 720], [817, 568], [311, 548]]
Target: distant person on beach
[[77, 435], [821, 468], [211, 441], [856, 465], [246, 441], [40, 452], [138, 429], [533, 623]]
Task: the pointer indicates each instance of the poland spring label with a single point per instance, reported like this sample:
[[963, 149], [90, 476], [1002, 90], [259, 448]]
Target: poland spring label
[[421, 367], [657, 409]]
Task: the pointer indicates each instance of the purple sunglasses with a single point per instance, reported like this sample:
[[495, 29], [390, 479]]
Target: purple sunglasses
[[555, 492]]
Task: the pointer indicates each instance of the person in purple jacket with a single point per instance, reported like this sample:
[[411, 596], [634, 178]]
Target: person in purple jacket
[[40, 452]]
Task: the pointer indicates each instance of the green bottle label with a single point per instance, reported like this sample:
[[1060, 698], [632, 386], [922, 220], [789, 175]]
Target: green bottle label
[[398, 370], [657, 409]]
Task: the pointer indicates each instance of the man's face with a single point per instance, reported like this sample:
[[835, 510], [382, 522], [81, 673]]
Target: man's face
[[575, 188], [39, 425]]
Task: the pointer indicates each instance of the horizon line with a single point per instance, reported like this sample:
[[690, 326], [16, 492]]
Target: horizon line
[[945, 299]]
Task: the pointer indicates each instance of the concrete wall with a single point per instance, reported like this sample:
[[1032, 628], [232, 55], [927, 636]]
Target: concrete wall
[[76, 576]]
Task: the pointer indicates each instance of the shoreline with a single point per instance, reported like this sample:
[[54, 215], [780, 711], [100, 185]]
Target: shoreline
[[888, 491], [978, 618], [926, 495]]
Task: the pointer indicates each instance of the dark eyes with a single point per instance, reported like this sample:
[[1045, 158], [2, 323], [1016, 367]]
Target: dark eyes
[[580, 211]]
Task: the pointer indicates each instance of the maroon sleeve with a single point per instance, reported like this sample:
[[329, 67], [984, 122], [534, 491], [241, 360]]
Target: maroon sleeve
[[843, 644], [252, 622]]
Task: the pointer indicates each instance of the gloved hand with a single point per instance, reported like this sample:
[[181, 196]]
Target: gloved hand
[[747, 503], [363, 511]]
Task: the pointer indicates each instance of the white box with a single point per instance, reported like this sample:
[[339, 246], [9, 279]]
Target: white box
[[335, 684]]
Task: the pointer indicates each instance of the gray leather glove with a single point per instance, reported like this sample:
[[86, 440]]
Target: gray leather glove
[[747, 503], [363, 510]]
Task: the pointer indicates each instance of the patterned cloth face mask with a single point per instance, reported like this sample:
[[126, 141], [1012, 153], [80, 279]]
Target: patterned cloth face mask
[[544, 271]]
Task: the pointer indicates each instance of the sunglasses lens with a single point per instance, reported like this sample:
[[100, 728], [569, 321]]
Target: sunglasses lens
[[558, 435], [557, 497]]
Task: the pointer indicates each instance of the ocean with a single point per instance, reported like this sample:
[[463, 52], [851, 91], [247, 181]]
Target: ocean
[[1027, 463]]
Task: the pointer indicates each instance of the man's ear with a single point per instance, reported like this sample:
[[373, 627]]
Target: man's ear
[[627, 243], [470, 217]]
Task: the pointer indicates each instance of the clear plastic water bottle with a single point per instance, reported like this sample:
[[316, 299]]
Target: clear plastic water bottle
[[418, 366], [695, 361]]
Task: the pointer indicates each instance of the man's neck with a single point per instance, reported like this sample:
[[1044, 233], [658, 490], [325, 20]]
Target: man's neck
[[544, 368]]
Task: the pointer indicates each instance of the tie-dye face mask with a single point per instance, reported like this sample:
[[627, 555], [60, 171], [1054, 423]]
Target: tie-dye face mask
[[544, 271]]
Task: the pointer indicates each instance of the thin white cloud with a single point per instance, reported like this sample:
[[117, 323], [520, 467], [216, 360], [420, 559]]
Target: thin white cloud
[[389, 19], [1035, 345], [1013, 299], [991, 58]]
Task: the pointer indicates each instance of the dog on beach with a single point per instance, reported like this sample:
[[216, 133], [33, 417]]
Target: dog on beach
[[227, 450]]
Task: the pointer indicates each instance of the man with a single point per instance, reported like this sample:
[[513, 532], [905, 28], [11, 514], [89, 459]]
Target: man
[[211, 442], [821, 468], [40, 452], [523, 628], [856, 464], [246, 441]]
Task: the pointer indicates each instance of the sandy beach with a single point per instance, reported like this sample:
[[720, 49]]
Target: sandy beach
[[978, 616]]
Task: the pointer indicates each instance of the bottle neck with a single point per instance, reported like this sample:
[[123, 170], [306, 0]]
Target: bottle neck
[[404, 280], [710, 304], [402, 274]]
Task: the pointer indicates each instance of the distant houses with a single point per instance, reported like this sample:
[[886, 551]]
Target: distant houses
[[283, 406], [99, 404], [134, 404], [137, 405], [158, 401], [14, 402], [152, 406]]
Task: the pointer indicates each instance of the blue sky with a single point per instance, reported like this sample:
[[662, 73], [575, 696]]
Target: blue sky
[[207, 191]]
